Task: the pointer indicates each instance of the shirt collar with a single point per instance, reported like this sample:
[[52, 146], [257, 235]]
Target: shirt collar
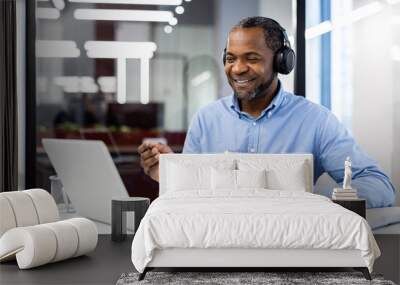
[[271, 108]]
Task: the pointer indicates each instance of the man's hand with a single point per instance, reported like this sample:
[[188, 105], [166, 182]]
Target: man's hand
[[149, 157]]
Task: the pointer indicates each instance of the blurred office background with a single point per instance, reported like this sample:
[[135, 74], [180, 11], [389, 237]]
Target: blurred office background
[[125, 70]]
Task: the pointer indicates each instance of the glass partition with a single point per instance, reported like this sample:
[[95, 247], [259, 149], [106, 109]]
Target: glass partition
[[122, 71]]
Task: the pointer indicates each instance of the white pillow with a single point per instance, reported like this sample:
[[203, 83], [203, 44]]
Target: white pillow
[[281, 174], [236, 179], [223, 179], [251, 178], [186, 175], [293, 179]]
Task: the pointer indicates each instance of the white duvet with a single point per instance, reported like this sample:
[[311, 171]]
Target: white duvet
[[250, 219]]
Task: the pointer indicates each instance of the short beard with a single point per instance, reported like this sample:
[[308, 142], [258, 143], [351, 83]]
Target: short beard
[[259, 90]]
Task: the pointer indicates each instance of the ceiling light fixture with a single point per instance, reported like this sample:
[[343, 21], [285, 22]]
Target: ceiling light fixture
[[173, 21], [59, 4], [122, 51], [111, 49], [168, 29], [134, 2], [60, 49], [123, 15], [179, 10], [76, 84]]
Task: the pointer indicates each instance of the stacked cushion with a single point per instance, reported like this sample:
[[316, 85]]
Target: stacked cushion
[[26, 208], [41, 244], [31, 232]]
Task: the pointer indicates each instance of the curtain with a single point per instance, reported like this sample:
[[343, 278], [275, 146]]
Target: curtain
[[8, 98]]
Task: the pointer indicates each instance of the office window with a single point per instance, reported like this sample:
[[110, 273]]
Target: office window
[[328, 52], [353, 61]]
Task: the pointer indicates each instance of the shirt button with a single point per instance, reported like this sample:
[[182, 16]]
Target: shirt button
[[252, 150], [254, 123]]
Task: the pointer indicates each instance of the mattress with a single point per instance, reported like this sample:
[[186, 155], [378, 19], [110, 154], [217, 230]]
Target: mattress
[[250, 219]]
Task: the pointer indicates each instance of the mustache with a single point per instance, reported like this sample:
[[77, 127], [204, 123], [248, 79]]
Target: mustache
[[260, 89]]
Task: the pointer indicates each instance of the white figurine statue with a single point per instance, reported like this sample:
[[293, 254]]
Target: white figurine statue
[[347, 174]]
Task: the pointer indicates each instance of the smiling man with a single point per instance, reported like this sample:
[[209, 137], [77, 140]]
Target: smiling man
[[260, 117]]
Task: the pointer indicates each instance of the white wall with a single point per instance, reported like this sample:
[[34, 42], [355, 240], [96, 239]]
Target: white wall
[[20, 9], [375, 123]]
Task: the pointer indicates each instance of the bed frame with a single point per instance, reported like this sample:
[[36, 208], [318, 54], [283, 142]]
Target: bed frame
[[260, 259], [248, 259]]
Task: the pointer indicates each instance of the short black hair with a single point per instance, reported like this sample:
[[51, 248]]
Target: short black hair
[[272, 30]]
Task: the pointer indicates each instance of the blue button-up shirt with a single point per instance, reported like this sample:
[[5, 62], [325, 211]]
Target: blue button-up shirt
[[290, 124]]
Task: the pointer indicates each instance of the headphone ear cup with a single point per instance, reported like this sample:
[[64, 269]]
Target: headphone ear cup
[[284, 60], [224, 56]]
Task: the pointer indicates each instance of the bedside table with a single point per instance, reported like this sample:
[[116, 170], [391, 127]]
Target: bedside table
[[357, 205]]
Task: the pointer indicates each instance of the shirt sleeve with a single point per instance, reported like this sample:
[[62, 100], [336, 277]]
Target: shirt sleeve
[[334, 145], [192, 141]]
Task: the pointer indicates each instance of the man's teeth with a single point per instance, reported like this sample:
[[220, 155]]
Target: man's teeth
[[243, 81]]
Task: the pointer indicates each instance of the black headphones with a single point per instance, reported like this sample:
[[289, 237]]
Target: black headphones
[[284, 58]]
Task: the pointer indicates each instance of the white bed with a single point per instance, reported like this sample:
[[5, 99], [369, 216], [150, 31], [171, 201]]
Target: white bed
[[198, 223]]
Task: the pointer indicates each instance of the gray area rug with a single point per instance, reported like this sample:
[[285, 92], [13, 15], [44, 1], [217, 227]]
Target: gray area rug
[[228, 278]]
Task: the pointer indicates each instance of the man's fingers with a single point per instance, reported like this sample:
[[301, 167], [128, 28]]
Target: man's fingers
[[142, 148], [150, 156], [163, 148], [151, 161], [150, 165], [148, 153], [145, 146]]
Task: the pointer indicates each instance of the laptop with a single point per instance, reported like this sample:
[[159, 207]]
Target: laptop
[[88, 174]]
